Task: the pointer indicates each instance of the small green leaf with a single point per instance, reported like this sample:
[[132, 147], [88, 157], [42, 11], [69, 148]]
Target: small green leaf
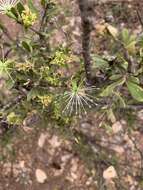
[[11, 15], [32, 7], [32, 94], [111, 116], [27, 46], [121, 100], [99, 62], [129, 40], [109, 89], [9, 84], [1, 26], [20, 8], [14, 11], [131, 47], [107, 127], [134, 79], [125, 35], [43, 2], [115, 77], [135, 90]]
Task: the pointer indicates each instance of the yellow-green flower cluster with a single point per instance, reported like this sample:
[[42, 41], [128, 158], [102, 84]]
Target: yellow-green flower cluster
[[28, 17], [13, 119], [24, 66], [45, 100], [61, 58]]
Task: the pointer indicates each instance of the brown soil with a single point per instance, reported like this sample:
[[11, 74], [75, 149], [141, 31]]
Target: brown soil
[[67, 167]]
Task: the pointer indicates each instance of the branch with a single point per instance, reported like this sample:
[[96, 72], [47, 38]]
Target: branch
[[7, 34], [138, 11], [40, 34], [85, 7], [43, 17]]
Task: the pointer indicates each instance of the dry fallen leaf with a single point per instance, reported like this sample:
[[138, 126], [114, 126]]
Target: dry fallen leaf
[[109, 173], [112, 30], [40, 176], [100, 28]]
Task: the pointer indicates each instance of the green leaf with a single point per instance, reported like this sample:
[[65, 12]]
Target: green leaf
[[134, 79], [140, 40], [135, 90], [125, 35], [99, 62], [111, 116], [43, 2], [107, 127], [115, 77], [32, 7], [14, 11], [9, 84], [11, 15], [32, 94], [109, 89], [27, 46], [121, 100], [129, 40], [2, 26], [20, 8]]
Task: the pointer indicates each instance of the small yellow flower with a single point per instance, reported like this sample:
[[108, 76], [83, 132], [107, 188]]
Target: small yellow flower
[[28, 17], [24, 66], [45, 100], [13, 119], [61, 58]]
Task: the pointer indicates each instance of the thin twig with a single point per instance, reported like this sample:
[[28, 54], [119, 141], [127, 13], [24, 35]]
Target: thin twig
[[139, 14], [43, 17]]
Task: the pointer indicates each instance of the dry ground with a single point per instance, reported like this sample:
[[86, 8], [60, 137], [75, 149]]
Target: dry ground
[[46, 159]]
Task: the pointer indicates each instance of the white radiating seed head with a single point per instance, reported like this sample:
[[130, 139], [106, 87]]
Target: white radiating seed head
[[6, 5], [78, 100]]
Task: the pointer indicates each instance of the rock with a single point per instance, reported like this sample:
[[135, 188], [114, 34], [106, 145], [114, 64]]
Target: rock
[[40, 176], [42, 140], [140, 115], [117, 127], [118, 149], [22, 164], [55, 141], [109, 173], [110, 185]]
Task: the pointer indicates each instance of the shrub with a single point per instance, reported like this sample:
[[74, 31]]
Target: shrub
[[37, 73]]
